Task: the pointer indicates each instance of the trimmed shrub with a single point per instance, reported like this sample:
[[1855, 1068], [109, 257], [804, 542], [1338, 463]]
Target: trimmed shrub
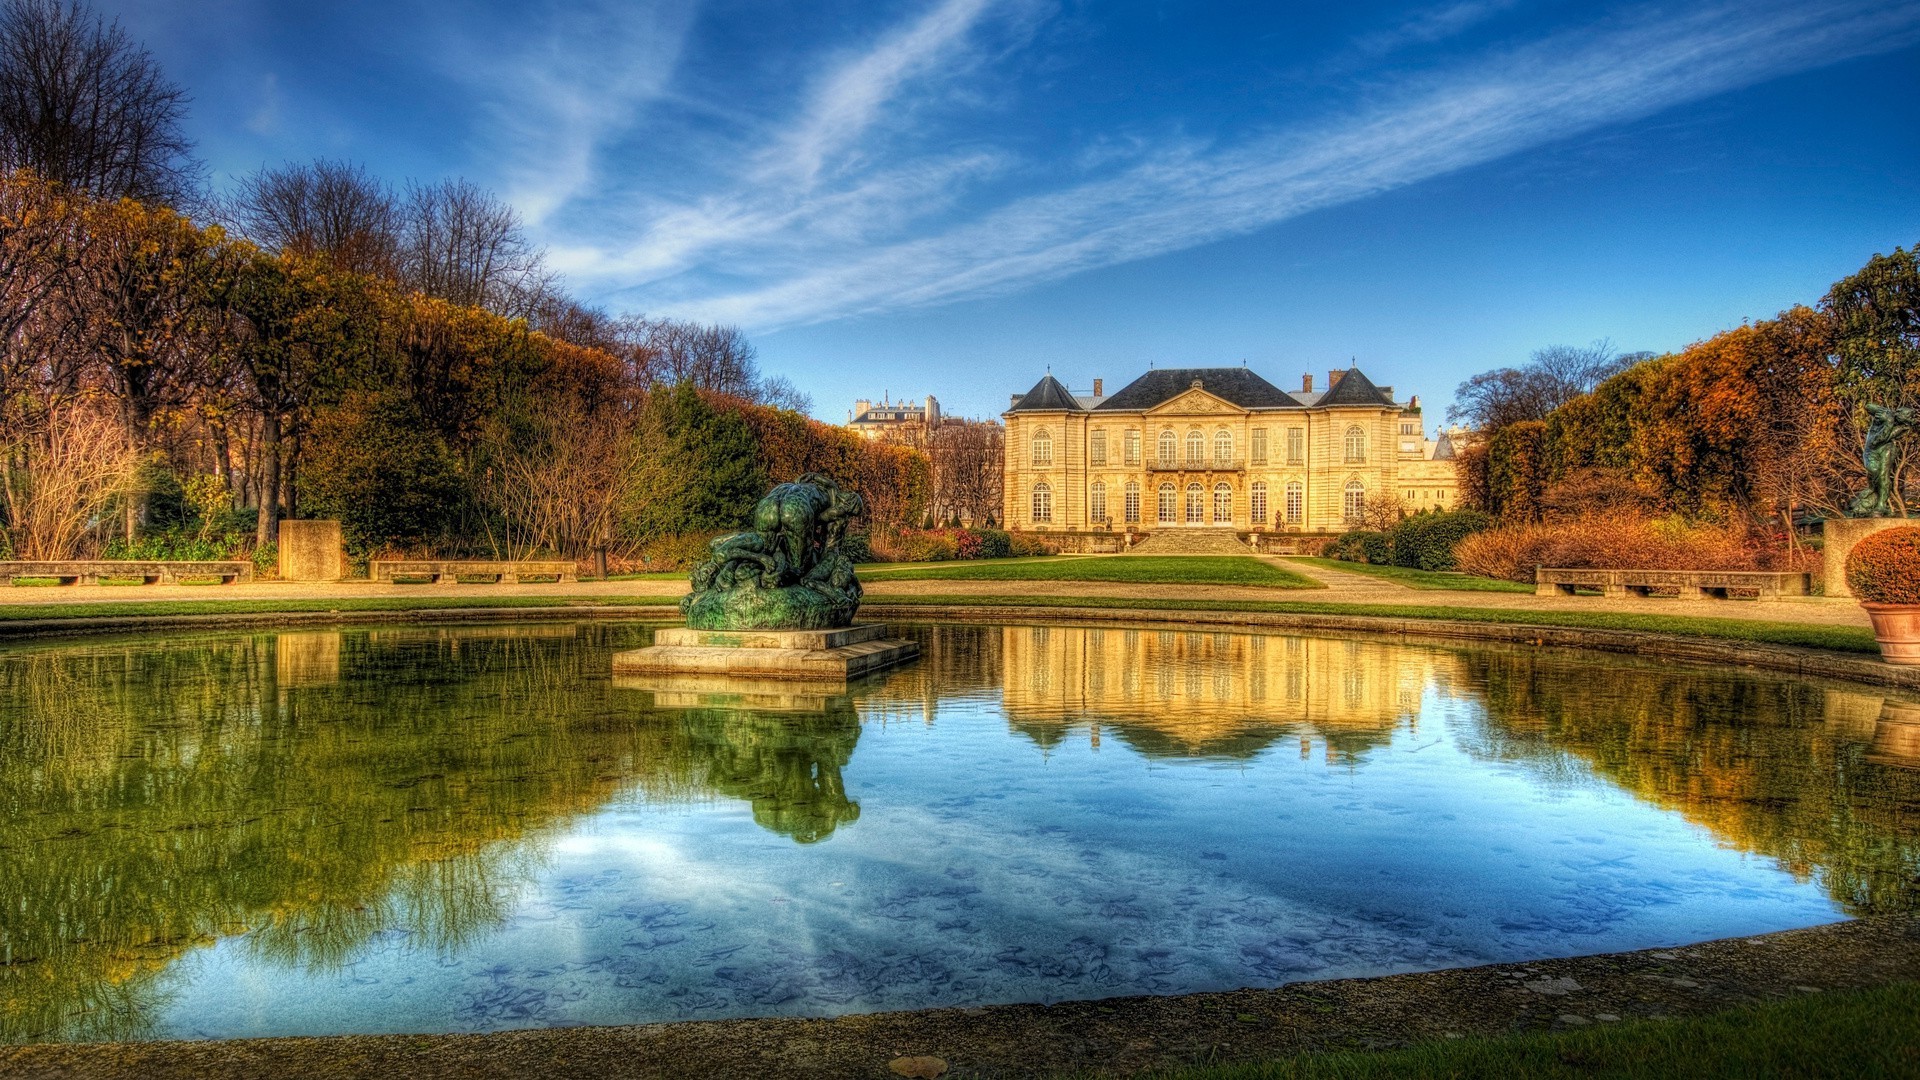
[[1427, 541], [994, 544], [1362, 546], [1025, 547], [1884, 567], [1620, 543]]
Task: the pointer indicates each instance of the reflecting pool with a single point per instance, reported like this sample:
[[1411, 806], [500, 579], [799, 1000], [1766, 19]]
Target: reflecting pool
[[440, 829]]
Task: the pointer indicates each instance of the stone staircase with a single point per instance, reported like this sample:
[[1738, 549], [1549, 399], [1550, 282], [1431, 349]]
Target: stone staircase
[[1192, 542]]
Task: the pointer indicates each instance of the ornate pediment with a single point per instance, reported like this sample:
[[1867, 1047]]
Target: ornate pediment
[[1195, 402]]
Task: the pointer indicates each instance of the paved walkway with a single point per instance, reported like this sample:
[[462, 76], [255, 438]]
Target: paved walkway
[[1342, 588]]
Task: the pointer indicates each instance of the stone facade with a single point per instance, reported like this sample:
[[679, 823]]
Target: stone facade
[[1216, 448]]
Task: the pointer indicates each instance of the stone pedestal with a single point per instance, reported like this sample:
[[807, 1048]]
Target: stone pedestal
[[311, 551], [1838, 535], [826, 655]]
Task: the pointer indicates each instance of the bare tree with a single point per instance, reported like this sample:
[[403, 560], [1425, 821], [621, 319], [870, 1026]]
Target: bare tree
[[61, 478], [1381, 510], [461, 243], [1550, 378], [81, 104], [329, 209], [968, 459]]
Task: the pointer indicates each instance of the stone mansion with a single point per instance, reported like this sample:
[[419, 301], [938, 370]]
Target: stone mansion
[[1216, 448]]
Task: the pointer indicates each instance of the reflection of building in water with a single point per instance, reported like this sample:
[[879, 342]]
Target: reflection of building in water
[[1184, 692]]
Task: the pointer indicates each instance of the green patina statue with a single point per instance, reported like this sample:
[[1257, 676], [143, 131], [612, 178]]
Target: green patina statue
[[789, 572], [1885, 428]]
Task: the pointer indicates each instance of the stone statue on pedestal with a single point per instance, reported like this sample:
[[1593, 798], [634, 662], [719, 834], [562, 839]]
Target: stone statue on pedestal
[[788, 572], [1886, 426]]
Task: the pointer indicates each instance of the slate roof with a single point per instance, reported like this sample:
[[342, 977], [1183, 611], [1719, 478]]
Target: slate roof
[[1238, 385], [1443, 450], [1354, 388], [1047, 395]]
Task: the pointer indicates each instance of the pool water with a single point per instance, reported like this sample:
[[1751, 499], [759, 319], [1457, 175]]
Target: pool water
[[452, 829]]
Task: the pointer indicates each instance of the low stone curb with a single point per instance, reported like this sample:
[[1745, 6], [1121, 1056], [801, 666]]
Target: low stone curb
[[127, 624], [1116, 1037]]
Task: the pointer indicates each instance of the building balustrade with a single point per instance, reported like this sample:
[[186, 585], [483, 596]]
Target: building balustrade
[[1205, 465]]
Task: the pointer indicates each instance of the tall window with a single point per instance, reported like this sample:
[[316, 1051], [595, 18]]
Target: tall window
[[1259, 448], [1222, 504], [1356, 443], [1097, 503], [1196, 447], [1223, 446], [1296, 499], [1169, 505], [1042, 504], [1133, 446], [1097, 449], [1355, 502], [1133, 502], [1196, 505], [1167, 447], [1042, 448], [1296, 446], [1257, 503]]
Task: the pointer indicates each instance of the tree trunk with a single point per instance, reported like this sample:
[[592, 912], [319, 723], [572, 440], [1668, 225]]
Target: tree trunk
[[268, 531]]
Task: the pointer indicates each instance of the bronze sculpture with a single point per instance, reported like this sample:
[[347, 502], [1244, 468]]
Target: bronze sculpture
[[789, 572], [1885, 428]]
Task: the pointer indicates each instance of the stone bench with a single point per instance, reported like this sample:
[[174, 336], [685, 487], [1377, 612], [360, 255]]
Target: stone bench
[[1685, 584], [91, 571], [450, 571]]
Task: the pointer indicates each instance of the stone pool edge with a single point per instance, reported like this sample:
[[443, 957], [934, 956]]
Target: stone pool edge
[[1788, 659], [1114, 1036]]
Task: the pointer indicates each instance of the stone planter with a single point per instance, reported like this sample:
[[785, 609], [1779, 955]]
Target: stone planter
[[1897, 628]]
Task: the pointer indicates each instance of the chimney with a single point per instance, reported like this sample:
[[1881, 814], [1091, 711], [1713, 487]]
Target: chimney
[[860, 407], [1306, 383], [1333, 379], [1012, 400], [1097, 383]]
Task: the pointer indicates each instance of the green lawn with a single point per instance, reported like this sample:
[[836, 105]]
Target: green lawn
[[143, 608], [1418, 579], [1135, 569], [1868, 1033], [1841, 638]]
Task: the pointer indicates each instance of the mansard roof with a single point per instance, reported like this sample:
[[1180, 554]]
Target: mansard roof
[[1237, 385], [1354, 388], [1047, 395]]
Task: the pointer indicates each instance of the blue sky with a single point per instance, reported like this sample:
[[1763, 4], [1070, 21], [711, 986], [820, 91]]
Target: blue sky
[[952, 196]]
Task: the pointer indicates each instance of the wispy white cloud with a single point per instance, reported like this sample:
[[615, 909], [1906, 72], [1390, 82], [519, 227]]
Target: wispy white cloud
[[1432, 24], [892, 232]]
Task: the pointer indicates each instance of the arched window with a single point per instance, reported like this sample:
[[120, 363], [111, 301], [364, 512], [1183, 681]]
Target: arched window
[[1356, 443], [1222, 504], [1296, 500], [1355, 502], [1042, 448], [1042, 504], [1097, 503], [1169, 505], [1167, 444], [1257, 503], [1196, 447], [1196, 505], [1223, 446], [1133, 501], [1133, 446]]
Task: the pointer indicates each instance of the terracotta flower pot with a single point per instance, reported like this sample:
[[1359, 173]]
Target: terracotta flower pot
[[1897, 628]]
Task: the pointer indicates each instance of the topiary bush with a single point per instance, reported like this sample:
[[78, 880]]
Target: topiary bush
[[1362, 546], [1427, 541], [1884, 567]]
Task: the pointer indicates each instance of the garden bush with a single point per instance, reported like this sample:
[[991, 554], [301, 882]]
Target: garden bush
[[675, 551], [939, 545], [1362, 546], [1427, 541], [1884, 567], [1618, 542]]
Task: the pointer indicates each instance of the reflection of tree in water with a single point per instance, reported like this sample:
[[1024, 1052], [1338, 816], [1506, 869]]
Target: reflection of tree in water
[[786, 765], [1762, 762], [161, 794]]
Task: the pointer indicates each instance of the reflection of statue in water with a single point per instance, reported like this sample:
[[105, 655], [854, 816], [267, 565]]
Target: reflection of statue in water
[[788, 573], [787, 766], [1885, 428]]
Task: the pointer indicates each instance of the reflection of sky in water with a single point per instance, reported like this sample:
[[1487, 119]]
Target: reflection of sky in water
[[981, 870], [476, 828]]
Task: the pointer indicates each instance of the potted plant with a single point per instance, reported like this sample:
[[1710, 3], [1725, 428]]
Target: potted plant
[[1883, 570]]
